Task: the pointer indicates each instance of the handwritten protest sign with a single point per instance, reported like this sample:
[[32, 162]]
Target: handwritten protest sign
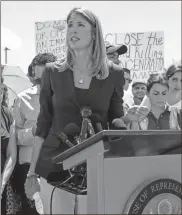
[[145, 53], [50, 36]]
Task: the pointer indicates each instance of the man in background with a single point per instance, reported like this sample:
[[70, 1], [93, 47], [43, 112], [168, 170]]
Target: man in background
[[128, 97], [127, 77], [113, 52], [26, 110], [139, 90]]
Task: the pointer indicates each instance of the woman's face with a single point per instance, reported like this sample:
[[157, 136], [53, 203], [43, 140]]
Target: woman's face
[[158, 95], [79, 32], [175, 82]]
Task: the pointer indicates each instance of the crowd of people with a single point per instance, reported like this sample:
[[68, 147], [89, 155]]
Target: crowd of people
[[90, 75]]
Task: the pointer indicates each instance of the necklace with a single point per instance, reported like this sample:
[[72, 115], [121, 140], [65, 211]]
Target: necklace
[[81, 81], [81, 78]]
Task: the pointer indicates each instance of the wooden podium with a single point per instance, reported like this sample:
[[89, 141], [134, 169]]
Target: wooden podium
[[119, 161]]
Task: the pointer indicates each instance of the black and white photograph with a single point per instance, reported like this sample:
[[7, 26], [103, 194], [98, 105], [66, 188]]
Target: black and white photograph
[[91, 107]]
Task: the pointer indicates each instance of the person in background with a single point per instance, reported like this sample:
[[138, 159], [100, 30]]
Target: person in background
[[26, 110], [128, 97], [9, 200], [161, 115], [113, 52], [139, 90], [174, 76], [5, 98], [127, 77]]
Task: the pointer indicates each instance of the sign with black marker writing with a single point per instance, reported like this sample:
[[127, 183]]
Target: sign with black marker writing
[[50, 36], [145, 53]]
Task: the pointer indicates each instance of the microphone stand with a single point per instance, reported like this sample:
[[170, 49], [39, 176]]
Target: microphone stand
[[90, 129], [84, 129], [87, 127]]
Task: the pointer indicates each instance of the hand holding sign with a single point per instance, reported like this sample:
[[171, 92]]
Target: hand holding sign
[[137, 113]]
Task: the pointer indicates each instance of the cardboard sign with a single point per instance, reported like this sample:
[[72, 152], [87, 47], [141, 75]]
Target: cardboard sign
[[50, 36], [145, 53]]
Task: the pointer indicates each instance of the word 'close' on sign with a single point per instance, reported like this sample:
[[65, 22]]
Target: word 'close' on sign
[[145, 53]]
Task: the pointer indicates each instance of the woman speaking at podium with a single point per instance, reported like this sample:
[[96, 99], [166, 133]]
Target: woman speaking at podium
[[85, 78]]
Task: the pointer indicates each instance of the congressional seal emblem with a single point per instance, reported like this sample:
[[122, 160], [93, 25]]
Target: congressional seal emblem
[[160, 196]]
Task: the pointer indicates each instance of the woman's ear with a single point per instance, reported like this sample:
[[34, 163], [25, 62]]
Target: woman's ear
[[93, 36], [93, 33]]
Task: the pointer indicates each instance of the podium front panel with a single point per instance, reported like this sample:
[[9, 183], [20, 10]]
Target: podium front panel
[[127, 160], [122, 176]]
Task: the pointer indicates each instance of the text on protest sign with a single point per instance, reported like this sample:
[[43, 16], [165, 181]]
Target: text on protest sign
[[50, 36], [145, 53]]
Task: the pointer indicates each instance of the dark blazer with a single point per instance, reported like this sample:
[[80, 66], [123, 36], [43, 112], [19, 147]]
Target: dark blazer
[[8, 120], [59, 106]]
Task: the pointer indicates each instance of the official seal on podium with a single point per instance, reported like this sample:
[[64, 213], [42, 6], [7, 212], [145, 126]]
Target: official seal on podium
[[159, 196]]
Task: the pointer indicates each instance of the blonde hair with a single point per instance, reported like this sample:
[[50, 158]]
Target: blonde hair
[[99, 66]]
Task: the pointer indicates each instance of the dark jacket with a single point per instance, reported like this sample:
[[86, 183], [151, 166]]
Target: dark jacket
[[7, 118], [59, 106]]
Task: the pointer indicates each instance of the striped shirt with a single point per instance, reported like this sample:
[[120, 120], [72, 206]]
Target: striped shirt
[[26, 110]]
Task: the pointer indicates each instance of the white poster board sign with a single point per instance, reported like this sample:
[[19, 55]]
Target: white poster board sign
[[145, 53], [50, 36]]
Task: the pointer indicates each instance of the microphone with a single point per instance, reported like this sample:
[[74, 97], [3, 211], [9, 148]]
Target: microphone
[[96, 120], [86, 112], [64, 138], [73, 130], [119, 124], [86, 124]]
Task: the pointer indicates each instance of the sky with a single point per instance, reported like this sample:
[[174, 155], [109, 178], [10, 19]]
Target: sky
[[18, 23]]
